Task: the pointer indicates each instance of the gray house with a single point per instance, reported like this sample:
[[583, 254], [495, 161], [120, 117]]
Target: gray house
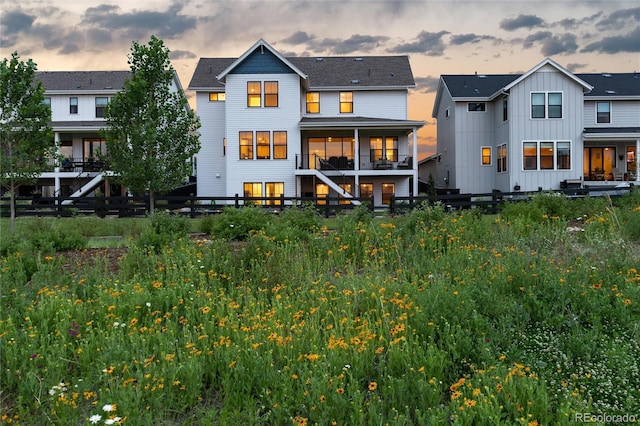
[[544, 129]]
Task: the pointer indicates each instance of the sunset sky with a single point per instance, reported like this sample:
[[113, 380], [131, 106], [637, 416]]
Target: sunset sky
[[440, 37]]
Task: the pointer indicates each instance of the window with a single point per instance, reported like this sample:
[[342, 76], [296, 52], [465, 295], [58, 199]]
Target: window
[[631, 162], [346, 189], [253, 189], [530, 155], [388, 151], [280, 145], [366, 190], [73, 105], [476, 107], [486, 155], [375, 148], [603, 112], [46, 101], [391, 148], [505, 108], [101, 104], [564, 155], [322, 191], [217, 97], [224, 146], [246, 145], [546, 105], [502, 158], [274, 189], [388, 189], [313, 102], [254, 94], [447, 113], [546, 155], [346, 102], [263, 145], [271, 94]]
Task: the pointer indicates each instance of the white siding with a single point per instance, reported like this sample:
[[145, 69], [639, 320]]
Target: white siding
[[446, 143], [623, 114], [86, 107], [378, 104], [211, 167]]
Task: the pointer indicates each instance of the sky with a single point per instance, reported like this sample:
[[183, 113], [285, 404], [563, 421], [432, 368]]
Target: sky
[[439, 36]]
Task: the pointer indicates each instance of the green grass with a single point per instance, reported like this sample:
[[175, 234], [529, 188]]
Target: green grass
[[429, 318]]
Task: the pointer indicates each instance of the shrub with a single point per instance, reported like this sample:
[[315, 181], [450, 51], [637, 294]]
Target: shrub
[[163, 229], [237, 223]]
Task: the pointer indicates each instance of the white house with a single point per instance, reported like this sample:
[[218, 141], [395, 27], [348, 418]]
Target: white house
[[78, 100], [544, 129], [305, 126]]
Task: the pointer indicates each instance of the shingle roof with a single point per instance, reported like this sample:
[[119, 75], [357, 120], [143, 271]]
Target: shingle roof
[[83, 80], [483, 86], [324, 72]]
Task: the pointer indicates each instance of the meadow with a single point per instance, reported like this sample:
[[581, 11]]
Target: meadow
[[530, 317]]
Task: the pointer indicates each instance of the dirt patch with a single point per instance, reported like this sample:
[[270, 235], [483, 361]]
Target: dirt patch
[[77, 260]]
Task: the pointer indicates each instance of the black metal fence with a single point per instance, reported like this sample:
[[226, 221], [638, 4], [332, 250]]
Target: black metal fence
[[192, 206]]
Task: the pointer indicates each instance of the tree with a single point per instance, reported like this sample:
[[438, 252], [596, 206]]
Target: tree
[[26, 139], [151, 132]]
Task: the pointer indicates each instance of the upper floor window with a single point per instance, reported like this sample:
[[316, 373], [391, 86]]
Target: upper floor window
[[486, 155], [346, 102], [217, 97], [101, 104], [263, 145], [603, 112], [46, 101], [313, 102], [271, 94], [254, 94], [447, 113], [73, 105], [546, 105], [476, 107], [505, 108]]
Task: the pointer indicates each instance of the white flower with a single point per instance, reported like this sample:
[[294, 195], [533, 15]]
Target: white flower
[[112, 421], [95, 419], [115, 324], [148, 304], [108, 407], [347, 366]]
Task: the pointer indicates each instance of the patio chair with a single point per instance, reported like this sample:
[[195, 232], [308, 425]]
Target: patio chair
[[617, 174]]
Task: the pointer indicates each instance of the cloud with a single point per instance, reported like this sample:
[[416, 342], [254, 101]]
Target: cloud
[[426, 84], [299, 37], [428, 43], [617, 18], [469, 38], [522, 21], [560, 45], [531, 39], [16, 21], [574, 67], [181, 54], [355, 43], [629, 42], [168, 24]]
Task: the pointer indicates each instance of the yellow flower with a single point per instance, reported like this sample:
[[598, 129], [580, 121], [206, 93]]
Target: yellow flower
[[340, 390], [372, 386], [169, 357], [469, 402]]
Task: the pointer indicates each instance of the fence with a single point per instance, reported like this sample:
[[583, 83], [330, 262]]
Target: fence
[[192, 206]]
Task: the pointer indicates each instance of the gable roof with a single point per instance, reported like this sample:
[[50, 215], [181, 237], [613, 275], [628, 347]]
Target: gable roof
[[550, 62], [261, 44], [321, 73], [83, 81]]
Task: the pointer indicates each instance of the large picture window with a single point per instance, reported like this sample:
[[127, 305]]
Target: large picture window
[[546, 155]]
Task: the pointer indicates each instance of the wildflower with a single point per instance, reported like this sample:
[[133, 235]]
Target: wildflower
[[627, 301], [322, 398], [455, 395], [469, 402], [108, 370], [112, 421], [95, 419], [533, 423], [73, 331], [372, 386], [340, 390], [109, 407]]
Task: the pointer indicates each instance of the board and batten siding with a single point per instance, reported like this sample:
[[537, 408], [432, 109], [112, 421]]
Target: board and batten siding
[[211, 163], [380, 104], [524, 128], [86, 107], [446, 142], [285, 117]]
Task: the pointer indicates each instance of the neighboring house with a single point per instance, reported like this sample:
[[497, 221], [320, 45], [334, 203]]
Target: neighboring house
[[544, 129], [78, 100], [305, 126]]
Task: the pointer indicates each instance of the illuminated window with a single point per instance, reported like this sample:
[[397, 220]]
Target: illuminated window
[[313, 102], [263, 145], [217, 97], [530, 155], [73, 105], [388, 189], [366, 190], [274, 189], [391, 148], [486, 155], [253, 189], [101, 104], [246, 145], [271, 94], [322, 191], [279, 145], [346, 102], [346, 188], [546, 155], [254, 94], [375, 148], [603, 114]]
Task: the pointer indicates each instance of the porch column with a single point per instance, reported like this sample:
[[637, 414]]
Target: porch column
[[356, 151], [56, 179], [414, 163]]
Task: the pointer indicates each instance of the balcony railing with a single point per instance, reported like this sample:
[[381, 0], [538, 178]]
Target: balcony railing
[[314, 161], [82, 165]]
